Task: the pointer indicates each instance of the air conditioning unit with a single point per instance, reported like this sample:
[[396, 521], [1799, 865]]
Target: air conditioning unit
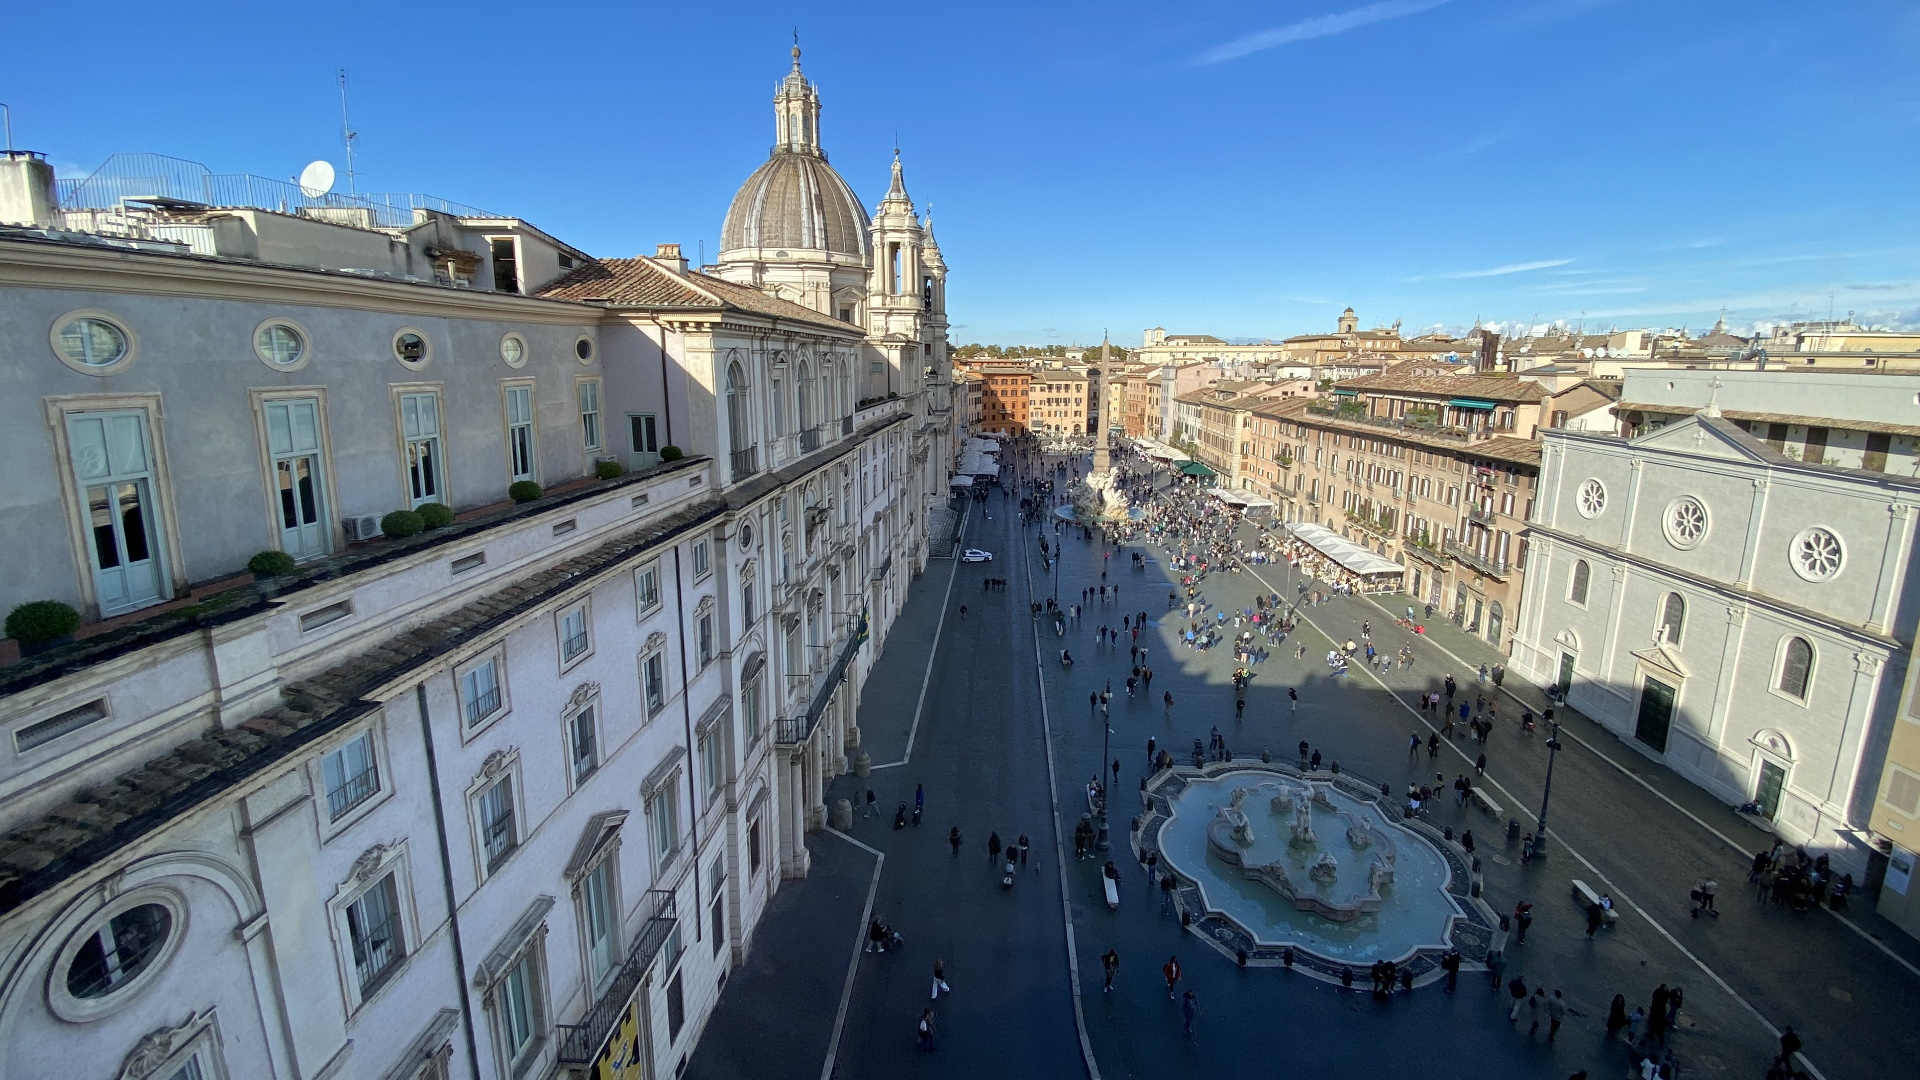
[[362, 527]]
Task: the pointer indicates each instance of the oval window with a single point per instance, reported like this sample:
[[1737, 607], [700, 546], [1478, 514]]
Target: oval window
[[90, 342], [513, 349], [746, 536], [118, 951], [583, 349], [410, 348], [279, 344]]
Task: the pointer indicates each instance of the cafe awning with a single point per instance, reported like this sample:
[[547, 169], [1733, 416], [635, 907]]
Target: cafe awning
[[1343, 551], [1194, 468]]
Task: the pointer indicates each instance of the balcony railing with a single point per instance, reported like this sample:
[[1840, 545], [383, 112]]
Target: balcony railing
[[745, 463], [1426, 428], [580, 1043], [1481, 515], [810, 439], [846, 425], [1489, 566]]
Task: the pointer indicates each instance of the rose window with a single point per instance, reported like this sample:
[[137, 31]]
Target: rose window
[[1817, 554], [1592, 498], [1686, 522]]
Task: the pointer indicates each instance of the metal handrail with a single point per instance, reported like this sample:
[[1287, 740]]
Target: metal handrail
[[745, 463], [1494, 567], [810, 439], [580, 1043]]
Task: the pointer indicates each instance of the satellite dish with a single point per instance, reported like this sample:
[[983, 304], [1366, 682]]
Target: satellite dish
[[316, 179]]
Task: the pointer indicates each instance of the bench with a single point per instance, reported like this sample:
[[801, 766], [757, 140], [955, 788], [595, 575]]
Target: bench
[[1486, 801], [1587, 898]]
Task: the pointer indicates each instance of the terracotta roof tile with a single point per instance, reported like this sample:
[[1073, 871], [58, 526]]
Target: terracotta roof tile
[[642, 282], [1488, 387]]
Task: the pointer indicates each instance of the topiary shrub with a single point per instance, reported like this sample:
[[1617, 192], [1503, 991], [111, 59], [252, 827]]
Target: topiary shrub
[[523, 491], [271, 564], [401, 524], [607, 470], [671, 452], [435, 515], [38, 621]]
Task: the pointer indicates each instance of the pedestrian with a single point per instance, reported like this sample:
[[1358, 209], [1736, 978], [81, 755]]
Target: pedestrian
[[1596, 918], [1413, 746], [1496, 967], [993, 848], [1093, 702], [1168, 699], [1536, 1008], [1150, 747], [1674, 1001], [1556, 1014], [1239, 708], [1517, 990], [1293, 695], [1466, 841], [1657, 1012], [1189, 1005], [963, 611], [1634, 1019], [926, 1028], [1023, 853], [876, 935], [1110, 965], [1433, 746], [940, 980], [1166, 893], [953, 837], [1480, 765], [1789, 1044], [1616, 1015], [1450, 963], [1522, 918], [919, 801], [1171, 969], [1707, 889], [872, 805]]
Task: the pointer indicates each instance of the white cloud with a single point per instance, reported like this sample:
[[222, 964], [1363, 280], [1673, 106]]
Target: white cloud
[[1496, 271], [1318, 26]]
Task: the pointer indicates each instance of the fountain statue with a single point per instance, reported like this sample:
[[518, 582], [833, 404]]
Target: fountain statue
[[1380, 872], [1232, 821], [1360, 833], [1324, 869], [1098, 498], [1303, 823]]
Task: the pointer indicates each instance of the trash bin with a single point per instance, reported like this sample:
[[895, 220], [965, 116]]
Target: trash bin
[[1513, 830]]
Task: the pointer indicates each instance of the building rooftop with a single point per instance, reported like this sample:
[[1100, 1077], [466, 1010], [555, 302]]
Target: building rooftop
[[1505, 448], [1484, 387], [643, 282]]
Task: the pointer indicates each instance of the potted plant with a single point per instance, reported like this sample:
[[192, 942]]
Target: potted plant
[[401, 524], [40, 625], [523, 491]]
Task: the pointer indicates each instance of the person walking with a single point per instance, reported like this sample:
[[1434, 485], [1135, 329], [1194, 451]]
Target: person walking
[[1536, 1009], [919, 801], [1109, 966], [1151, 745], [873, 804], [1634, 1019], [1239, 708], [1674, 1001], [1293, 696], [1616, 1015], [1168, 699], [993, 848], [1496, 967], [1517, 990], [1433, 747], [1413, 746], [953, 837], [1657, 1012], [1171, 969], [1789, 1045], [1480, 765], [1596, 918], [1189, 1006], [1450, 963], [1023, 853], [940, 980], [1523, 918], [1556, 1014], [926, 1029]]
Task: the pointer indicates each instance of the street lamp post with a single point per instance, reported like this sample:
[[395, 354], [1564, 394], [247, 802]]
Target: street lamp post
[[1101, 840], [1539, 847]]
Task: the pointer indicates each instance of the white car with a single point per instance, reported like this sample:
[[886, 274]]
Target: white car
[[976, 555]]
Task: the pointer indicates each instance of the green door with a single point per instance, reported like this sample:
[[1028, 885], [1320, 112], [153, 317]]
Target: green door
[[1565, 682], [1656, 714], [1772, 779]]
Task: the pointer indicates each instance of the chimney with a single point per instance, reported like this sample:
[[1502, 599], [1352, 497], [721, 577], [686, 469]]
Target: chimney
[[668, 255], [26, 190]]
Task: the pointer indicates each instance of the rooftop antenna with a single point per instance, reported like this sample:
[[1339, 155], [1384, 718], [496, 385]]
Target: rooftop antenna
[[8, 111], [347, 134]]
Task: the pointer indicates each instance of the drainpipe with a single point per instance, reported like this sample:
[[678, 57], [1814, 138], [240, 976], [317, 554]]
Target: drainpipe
[[446, 883], [693, 751], [666, 390]]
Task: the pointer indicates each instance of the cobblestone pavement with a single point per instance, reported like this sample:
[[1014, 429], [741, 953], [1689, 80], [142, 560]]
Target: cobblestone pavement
[[1619, 821]]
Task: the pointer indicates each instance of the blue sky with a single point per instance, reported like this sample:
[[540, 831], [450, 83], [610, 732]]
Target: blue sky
[[1245, 170]]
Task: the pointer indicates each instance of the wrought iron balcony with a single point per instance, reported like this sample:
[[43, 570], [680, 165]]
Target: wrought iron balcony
[[810, 439], [846, 425], [1483, 516], [1489, 566], [580, 1043], [745, 463]]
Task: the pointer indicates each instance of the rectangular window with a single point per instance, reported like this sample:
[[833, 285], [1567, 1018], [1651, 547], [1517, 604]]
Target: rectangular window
[[573, 633], [499, 834], [748, 613], [480, 691], [352, 776], [676, 1007], [584, 750], [663, 812], [750, 708], [646, 586], [590, 414], [600, 920], [712, 761], [374, 930], [702, 559], [653, 681], [506, 273], [517, 999], [420, 428], [1903, 792], [704, 639], [643, 431], [719, 907], [519, 406], [753, 847], [293, 443], [115, 471]]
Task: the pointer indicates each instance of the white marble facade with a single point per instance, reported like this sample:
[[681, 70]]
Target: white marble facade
[[1743, 617]]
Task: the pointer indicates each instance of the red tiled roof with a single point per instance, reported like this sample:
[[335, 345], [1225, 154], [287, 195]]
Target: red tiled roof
[[1487, 387], [645, 283]]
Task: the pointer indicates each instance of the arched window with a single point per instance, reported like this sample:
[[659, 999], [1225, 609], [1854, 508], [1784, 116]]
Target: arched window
[[739, 430], [1582, 576], [1796, 667], [1673, 618]]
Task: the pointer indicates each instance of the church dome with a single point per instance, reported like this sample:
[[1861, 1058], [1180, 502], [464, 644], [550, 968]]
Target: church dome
[[796, 200]]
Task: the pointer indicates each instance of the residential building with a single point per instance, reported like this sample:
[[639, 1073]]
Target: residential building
[[1006, 398], [1062, 402], [1739, 614], [1853, 419], [504, 799]]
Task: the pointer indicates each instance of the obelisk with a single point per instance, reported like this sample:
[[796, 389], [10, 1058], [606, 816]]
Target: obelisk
[[1102, 457]]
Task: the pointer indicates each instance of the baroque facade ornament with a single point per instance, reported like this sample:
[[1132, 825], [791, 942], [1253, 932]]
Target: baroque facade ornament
[[155, 1047], [496, 763], [582, 694], [368, 862], [655, 640]]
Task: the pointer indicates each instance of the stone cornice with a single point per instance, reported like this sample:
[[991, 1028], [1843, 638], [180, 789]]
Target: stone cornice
[[50, 265]]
